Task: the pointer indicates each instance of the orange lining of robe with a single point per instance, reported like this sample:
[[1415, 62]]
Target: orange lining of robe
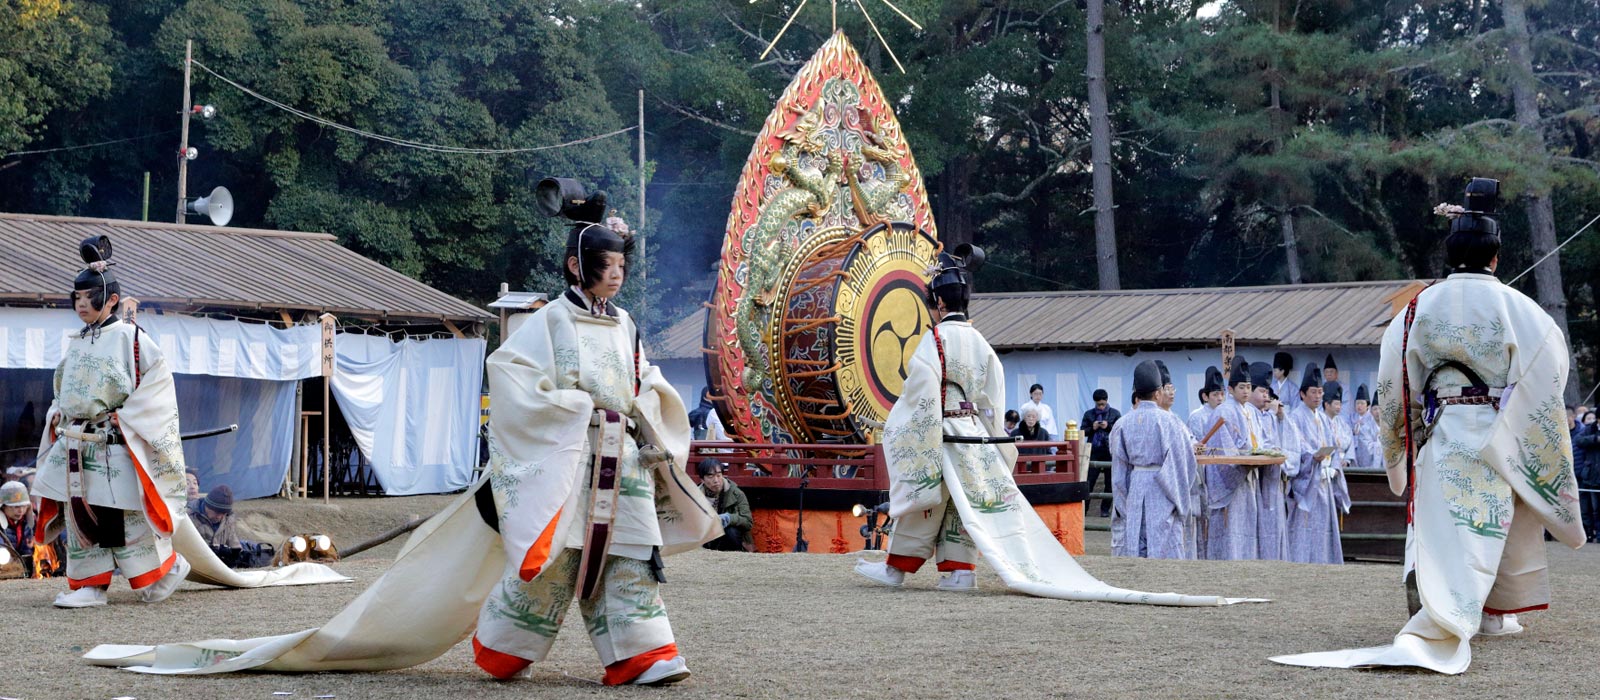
[[630, 668], [98, 581], [905, 563], [48, 511], [154, 506], [153, 575], [499, 664], [539, 553]]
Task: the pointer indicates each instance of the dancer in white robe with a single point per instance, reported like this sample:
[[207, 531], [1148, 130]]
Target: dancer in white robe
[[950, 467], [1470, 401], [586, 487], [111, 469]]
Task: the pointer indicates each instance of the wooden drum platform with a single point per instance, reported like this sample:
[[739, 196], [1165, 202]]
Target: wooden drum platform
[[843, 476]]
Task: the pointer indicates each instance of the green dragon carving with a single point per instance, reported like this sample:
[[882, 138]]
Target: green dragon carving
[[767, 243]]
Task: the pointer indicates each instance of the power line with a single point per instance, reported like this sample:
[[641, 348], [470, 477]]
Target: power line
[[1029, 274], [86, 145], [439, 148], [1557, 250]]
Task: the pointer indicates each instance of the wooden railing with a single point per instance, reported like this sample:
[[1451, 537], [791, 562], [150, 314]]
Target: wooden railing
[[856, 467]]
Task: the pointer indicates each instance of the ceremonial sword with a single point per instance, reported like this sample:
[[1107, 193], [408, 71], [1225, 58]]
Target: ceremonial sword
[[186, 436]]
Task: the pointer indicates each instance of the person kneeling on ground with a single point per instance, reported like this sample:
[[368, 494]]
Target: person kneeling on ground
[[16, 528], [213, 517], [732, 506]]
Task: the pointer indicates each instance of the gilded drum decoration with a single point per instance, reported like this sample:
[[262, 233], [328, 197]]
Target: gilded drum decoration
[[818, 304]]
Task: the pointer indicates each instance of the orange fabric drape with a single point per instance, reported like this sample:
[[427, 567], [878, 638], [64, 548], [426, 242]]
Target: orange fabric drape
[[839, 532]]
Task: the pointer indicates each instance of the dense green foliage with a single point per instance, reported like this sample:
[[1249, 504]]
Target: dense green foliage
[[1352, 116]]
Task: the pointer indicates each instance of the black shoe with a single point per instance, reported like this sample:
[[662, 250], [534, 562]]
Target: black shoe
[[1105, 514]]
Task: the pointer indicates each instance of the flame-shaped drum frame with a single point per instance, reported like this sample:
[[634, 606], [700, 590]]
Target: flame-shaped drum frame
[[829, 174]]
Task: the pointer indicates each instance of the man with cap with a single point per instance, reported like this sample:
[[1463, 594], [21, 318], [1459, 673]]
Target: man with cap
[[1154, 476], [16, 528], [1364, 432], [1314, 520], [1470, 380], [1272, 523], [1169, 393], [1202, 418], [732, 506], [1283, 383], [1344, 433], [111, 465], [213, 517], [1330, 371], [1233, 494], [1097, 424]]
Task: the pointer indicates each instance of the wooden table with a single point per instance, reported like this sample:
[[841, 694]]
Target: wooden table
[[1242, 460]]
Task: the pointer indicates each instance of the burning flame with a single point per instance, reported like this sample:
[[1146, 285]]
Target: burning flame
[[45, 560]]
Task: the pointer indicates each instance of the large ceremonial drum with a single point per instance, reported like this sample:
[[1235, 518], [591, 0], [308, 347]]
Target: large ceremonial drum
[[854, 313], [819, 298]]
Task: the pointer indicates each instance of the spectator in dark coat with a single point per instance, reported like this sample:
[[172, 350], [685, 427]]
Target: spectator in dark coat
[[1096, 424], [1586, 462], [1031, 430]]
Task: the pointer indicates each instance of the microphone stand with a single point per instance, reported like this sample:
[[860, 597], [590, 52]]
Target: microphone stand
[[800, 544], [876, 541]]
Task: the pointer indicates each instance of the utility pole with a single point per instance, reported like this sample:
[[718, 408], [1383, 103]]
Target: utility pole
[[644, 248], [1105, 224], [183, 144]]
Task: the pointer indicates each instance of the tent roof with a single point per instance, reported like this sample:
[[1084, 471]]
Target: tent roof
[[1333, 315], [218, 267]]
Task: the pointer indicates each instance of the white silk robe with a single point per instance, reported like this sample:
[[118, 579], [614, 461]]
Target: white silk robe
[[1488, 481]]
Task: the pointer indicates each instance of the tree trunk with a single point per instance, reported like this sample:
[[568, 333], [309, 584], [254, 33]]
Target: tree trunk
[[953, 212], [1105, 227], [1541, 213], [1291, 250]]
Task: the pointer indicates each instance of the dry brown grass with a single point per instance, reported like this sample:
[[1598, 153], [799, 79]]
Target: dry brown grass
[[787, 626]]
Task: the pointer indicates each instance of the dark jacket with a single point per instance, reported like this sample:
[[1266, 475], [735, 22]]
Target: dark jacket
[[18, 537], [737, 505], [1586, 455], [1099, 440], [1039, 435]]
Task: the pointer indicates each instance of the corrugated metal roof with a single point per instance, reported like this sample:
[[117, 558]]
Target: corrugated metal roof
[[216, 266], [682, 340], [519, 300], [1341, 314]]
